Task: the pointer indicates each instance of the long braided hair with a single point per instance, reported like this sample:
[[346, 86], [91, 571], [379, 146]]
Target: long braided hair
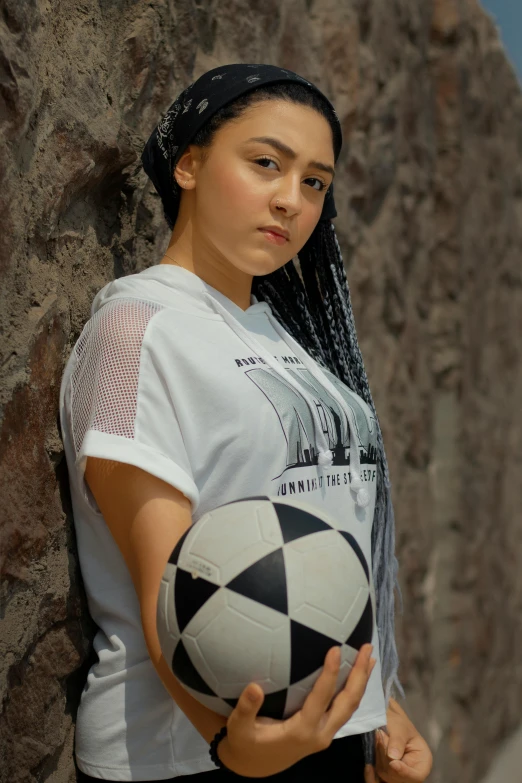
[[311, 299]]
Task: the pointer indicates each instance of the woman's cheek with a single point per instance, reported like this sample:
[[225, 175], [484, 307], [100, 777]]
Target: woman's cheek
[[237, 187], [250, 194]]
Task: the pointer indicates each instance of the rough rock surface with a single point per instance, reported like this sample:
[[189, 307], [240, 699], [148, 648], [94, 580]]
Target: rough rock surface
[[429, 196]]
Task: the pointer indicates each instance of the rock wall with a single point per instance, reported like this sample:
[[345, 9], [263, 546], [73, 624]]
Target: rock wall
[[429, 197]]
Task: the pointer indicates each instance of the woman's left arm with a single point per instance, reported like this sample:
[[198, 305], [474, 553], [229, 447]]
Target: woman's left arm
[[402, 756]]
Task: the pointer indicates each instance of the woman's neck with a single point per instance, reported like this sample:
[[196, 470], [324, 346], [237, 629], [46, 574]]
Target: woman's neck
[[221, 275]]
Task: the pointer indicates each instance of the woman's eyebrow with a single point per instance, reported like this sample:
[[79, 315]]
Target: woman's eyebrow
[[289, 152]]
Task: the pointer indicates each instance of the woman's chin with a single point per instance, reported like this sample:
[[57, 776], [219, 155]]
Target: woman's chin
[[264, 266]]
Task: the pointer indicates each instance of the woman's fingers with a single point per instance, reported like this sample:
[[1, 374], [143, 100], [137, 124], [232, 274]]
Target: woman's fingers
[[243, 716], [316, 717], [317, 701], [348, 700]]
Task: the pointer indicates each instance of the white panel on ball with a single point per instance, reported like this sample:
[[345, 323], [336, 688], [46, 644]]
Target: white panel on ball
[[322, 569], [229, 543], [233, 640], [167, 624]]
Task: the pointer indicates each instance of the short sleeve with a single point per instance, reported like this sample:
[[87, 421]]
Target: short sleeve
[[120, 402]]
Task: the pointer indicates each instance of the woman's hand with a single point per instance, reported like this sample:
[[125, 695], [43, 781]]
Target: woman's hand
[[258, 747], [402, 756]]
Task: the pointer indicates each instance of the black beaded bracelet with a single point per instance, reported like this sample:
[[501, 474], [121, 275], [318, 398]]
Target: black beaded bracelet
[[213, 748]]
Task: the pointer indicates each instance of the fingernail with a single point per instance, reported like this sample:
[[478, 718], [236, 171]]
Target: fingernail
[[394, 753], [252, 695]]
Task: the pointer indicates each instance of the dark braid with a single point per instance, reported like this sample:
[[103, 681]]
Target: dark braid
[[340, 347], [306, 320], [320, 307], [310, 260], [285, 293], [279, 289]]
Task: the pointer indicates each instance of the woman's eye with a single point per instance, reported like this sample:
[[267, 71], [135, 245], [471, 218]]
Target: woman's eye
[[321, 183], [265, 159], [314, 179]]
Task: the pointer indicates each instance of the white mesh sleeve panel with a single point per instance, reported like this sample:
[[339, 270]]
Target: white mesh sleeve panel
[[120, 401], [104, 384]]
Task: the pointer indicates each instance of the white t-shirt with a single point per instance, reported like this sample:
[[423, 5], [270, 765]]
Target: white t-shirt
[[164, 377]]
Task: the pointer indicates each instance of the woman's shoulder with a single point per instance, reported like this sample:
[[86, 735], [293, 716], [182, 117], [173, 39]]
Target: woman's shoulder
[[158, 287]]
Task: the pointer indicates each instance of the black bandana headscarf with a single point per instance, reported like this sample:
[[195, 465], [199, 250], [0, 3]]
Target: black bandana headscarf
[[191, 110]]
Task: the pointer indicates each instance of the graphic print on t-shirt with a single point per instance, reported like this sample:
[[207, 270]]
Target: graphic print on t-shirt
[[298, 424]]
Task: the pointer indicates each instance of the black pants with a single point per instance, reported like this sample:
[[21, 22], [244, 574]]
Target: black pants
[[344, 758]]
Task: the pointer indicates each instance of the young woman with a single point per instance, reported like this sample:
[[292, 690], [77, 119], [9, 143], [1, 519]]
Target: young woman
[[228, 370]]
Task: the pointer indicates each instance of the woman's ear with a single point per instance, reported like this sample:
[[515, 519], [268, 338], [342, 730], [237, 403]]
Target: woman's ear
[[185, 169]]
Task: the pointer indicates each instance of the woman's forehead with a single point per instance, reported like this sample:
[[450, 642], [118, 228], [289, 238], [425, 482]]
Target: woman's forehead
[[296, 125]]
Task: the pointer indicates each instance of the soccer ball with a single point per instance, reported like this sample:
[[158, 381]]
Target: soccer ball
[[258, 590]]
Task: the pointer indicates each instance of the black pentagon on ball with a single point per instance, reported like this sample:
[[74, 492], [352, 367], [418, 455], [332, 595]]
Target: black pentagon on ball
[[363, 631], [185, 671], [189, 596], [297, 523], [308, 650], [358, 551], [264, 582]]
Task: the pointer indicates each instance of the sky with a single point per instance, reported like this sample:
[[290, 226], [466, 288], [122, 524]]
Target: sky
[[508, 16]]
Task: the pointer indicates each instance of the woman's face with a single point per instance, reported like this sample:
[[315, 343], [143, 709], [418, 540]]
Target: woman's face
[[236, 184]]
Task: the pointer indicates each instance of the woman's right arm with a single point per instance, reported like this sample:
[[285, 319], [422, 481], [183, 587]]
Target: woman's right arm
[[147, 517]]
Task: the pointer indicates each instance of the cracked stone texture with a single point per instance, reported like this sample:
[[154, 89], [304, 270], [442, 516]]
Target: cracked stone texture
[[429, 195]]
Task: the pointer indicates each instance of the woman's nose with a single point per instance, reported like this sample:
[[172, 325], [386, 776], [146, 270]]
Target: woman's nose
[[289, 198]]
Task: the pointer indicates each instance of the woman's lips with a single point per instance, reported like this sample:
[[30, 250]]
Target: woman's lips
[[277, 239]]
